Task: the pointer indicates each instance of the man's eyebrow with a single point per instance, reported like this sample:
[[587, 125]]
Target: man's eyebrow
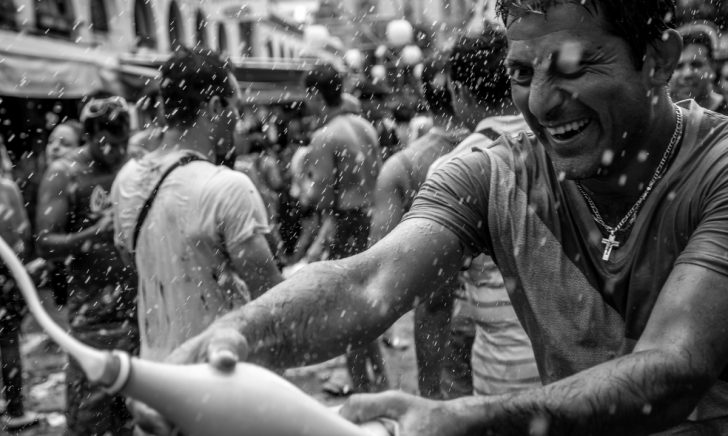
[[511, 62]]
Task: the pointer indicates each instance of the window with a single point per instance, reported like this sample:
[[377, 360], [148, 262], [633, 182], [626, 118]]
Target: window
[[144, 25], [7, 15], [99, 16], [222, 41], [269, 48], [176, 34], [201, 29], [246, 38], [54, 17]]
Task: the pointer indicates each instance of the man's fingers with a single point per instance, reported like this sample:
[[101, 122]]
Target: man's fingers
[[148, 420], [225, 348], [368, 407]]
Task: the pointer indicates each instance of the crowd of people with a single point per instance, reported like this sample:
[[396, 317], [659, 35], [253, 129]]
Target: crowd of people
[[555, 218]]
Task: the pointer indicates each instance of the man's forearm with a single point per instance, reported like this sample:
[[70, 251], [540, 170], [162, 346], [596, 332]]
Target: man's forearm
[[636, 394], [297, 322], [60, 245]]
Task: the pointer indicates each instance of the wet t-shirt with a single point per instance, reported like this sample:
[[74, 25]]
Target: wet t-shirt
[[201, 214], [506, 200]]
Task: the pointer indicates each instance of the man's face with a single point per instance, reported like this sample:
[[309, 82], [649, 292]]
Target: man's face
[[107, 149], [694, 74], [577, 87], [62, 140]]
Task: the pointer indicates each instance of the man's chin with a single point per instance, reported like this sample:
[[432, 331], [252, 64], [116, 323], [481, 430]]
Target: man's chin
[[573, 168]]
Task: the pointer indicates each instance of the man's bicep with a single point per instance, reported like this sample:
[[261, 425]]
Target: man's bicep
[[253, 261], [689, 317], [417, 257]]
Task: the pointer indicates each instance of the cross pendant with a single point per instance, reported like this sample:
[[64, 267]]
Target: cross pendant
[[609, 244]]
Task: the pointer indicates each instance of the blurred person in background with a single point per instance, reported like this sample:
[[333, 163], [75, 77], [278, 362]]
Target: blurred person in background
[[75, 222], [66, 138], [194, 229], [695, 74], [16, 232], [341, 169], [397, 184], [374, 107]]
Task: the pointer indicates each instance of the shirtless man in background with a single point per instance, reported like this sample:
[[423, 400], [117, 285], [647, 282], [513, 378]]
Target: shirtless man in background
[[341, 171]]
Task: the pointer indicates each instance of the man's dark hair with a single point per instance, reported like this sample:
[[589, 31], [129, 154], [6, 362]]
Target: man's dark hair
[[639, 23], [699, 38], [477, 62], [106, 114], [434, 85], [191, 77], [325, 80]]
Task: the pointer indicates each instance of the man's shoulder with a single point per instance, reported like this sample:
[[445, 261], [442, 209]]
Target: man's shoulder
[[220, 179], [8, 187]]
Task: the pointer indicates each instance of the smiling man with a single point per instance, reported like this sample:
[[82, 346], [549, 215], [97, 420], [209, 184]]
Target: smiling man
[[695, 73], [608, 224]]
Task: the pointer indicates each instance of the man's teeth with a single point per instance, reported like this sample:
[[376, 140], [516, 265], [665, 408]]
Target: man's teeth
[[568, 127]]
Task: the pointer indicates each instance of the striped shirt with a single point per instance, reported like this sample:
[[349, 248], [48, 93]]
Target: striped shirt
[[502, 357]]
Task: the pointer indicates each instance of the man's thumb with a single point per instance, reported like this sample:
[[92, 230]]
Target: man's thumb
[[225, 348]]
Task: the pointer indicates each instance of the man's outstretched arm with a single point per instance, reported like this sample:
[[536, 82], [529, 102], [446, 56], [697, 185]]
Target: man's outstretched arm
[[679, 356], [328, 306]]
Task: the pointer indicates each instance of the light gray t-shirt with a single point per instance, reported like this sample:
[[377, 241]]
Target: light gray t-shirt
[[201, 214]]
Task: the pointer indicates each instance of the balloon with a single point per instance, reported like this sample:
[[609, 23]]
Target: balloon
[[411, 55], [378, 72], [354, 58], [316, 36], [399, 32]]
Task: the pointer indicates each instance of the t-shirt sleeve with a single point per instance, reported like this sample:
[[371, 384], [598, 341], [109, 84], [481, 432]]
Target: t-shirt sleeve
[[456, 197], [239, 211], [708, 245]]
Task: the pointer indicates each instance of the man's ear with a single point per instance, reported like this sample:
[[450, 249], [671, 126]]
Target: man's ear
[[662, 57], [456, 91], [214, 106]]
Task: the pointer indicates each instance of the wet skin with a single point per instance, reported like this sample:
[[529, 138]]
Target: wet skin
[[569, 69]]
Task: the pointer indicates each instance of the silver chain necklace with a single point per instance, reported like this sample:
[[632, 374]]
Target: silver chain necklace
[[611, 242]]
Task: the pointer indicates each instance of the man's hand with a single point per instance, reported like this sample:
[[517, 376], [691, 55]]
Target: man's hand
[[221, 346], [148, 420], [415, 416]]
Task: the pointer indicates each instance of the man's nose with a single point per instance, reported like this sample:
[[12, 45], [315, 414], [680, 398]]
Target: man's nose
[[545, 98]]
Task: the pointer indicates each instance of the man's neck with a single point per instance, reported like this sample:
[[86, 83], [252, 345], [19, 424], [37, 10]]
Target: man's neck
[[193, 139], [329, 113], [610, 186], [447, 122]]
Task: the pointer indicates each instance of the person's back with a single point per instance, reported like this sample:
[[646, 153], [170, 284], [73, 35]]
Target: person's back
[[341, 169], [353, 143], [195, 230], [184, 270]]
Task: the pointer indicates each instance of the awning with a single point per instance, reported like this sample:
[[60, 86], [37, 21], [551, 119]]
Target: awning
[[42, 67]]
